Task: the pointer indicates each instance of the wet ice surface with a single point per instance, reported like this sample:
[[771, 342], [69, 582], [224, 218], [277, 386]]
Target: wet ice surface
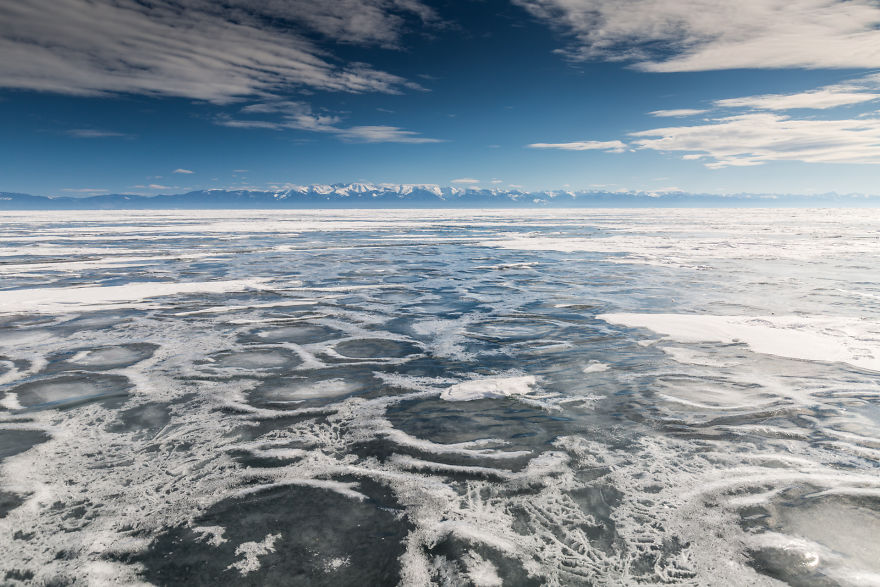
[[449, 397]]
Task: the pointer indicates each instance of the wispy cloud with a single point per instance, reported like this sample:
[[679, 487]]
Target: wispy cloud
[[383, 134], [760, 137], [213, 51], [701, 35], [609, 146], [466, 181], [85, 191], [91, 133], [678, 113], [294, 115], [183, 171]]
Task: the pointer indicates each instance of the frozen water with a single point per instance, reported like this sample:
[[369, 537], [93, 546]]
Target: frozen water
[[440, 397], [112, 357], [300, 333], [305, 389], [69, 390], [375, 348], [256, 359]]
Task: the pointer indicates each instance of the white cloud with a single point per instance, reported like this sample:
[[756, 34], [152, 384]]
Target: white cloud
[[87, 191], [300, 116], [756, 138], [700, 35], [758, 133], [680, 112], [466, 180], [184, 171], [213, 51], [609, 146]]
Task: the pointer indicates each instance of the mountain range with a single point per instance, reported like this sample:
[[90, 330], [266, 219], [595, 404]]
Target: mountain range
[[362, 195]]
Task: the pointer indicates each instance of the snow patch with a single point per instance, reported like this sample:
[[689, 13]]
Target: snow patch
[[489, 387], [252, 551], [816, 338], [61, 299]]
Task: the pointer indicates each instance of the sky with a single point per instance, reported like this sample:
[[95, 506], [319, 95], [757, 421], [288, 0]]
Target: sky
[[704, 96]]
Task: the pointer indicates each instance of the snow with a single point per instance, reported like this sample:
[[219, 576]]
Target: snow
[[61, 299], [815, 338], [489, 387]]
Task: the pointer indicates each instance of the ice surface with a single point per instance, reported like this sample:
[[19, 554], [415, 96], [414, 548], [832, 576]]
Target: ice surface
[[70, 390], [300, 334], [113, 357], [305, 389], [375, 348], [534, 397], [256, 359]]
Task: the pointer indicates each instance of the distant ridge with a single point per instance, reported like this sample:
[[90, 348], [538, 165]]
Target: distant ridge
[[388, 196]]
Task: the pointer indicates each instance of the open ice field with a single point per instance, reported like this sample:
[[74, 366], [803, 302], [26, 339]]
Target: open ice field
[[441, 397]]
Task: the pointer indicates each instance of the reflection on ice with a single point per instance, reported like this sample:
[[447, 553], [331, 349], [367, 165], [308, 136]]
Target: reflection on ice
[[112, 357], [300, 334], [306, 389], [375, 348], [256, 359], [70, 390]]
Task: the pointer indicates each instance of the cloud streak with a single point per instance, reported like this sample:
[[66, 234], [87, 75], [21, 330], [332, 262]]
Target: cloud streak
[[293, 115], [212, 51], [91, 133], [677, 113], [845, 94], [608, 146], [702, 35]]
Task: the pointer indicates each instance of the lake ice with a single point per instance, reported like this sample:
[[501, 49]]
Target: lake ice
[[526, 397]]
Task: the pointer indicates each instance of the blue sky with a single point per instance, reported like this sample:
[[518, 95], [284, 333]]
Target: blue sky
[[123, 96]]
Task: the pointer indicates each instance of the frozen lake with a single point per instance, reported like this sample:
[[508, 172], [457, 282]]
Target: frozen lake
[[526, 397]]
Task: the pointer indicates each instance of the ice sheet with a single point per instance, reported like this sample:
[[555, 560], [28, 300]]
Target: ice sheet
[[500, 407]]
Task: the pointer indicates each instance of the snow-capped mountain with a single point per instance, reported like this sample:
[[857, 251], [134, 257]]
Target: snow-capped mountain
[[367, 195]]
